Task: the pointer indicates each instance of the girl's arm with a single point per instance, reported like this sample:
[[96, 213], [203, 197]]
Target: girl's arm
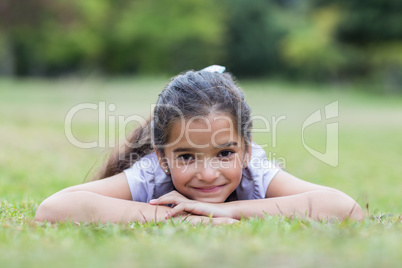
[[107, 200], [286, 195], [318, 205]]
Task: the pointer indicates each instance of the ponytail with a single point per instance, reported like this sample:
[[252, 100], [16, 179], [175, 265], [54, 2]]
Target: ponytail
[[138, 145]]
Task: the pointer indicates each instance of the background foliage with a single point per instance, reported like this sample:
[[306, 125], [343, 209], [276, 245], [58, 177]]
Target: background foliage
[[314, 39]]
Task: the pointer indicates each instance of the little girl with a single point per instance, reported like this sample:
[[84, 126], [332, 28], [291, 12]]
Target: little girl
[[195, 160]]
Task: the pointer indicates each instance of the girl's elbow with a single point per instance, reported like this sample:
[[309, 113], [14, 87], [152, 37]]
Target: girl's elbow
[[58, 207], [44, 212], [354, 213], [349, 209], [336, 204], [50, 210]]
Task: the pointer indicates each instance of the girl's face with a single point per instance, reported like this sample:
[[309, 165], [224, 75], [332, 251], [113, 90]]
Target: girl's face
[[205, 157]]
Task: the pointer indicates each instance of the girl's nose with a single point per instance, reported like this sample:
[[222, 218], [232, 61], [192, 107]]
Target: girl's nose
[[208, 172]]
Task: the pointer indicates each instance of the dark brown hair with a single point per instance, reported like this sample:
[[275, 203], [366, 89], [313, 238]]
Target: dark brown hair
[[190, 94]]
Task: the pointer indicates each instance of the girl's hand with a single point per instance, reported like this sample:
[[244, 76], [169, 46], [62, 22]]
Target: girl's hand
[[183, 206], [173, 197]]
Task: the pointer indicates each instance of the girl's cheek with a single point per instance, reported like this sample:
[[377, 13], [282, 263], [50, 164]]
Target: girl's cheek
[[183, 169]]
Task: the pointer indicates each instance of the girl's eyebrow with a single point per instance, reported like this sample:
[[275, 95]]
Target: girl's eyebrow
[[228, 144], [178, 150], [224, 145]]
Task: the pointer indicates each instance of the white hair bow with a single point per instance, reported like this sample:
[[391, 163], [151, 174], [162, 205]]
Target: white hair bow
[[215, 68]]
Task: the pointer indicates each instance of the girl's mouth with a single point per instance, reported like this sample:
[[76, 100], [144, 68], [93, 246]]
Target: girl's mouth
[[209, 189]]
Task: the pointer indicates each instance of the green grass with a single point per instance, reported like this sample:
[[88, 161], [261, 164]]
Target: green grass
[[37, 160]]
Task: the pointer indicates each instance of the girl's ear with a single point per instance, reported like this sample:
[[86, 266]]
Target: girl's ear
[[162, 161]]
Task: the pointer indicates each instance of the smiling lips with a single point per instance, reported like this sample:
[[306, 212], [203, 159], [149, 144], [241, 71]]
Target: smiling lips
[[209, 189]]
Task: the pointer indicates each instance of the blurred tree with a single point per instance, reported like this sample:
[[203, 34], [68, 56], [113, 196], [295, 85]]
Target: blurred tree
[[253, 34], [370, 21], [158, 36], [373, 30], [314, 39], [41, 37], [330, 39], [310, 49], [18, 41], [78, 42], [51, 37]]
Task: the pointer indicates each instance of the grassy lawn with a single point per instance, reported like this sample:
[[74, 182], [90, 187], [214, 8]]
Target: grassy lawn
[[37, 159]]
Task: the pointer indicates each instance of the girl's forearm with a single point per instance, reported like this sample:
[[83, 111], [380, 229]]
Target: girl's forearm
[[84, 206], [320, 204]]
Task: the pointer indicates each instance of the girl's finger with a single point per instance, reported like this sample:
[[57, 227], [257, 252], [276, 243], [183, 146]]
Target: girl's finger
[[169, 198], [188, 207], [177, 210], [164, 200], [155, 201]]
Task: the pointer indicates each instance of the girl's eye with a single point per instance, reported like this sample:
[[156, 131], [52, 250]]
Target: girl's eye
[[225, 153], [186, 157]]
